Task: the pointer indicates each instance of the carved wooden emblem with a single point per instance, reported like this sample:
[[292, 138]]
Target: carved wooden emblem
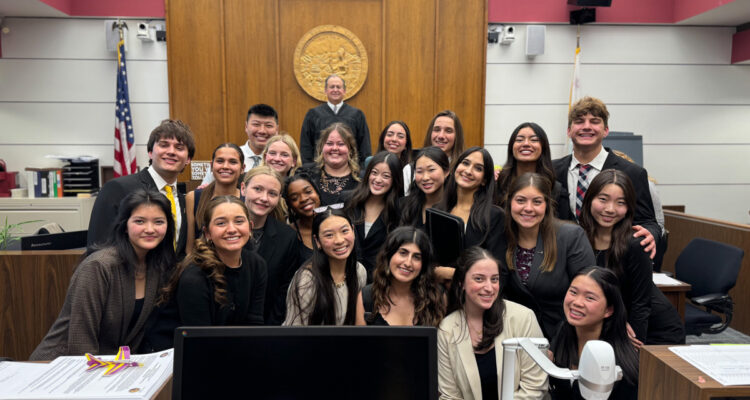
[[326, 50]]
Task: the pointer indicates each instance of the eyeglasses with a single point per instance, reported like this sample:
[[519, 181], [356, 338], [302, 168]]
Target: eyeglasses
[[322, 209]]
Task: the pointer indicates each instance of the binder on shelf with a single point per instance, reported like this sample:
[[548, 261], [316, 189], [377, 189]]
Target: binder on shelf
[[44, 182]]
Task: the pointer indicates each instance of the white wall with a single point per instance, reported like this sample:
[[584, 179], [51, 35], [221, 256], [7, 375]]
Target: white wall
[[57, 91], [673, 85]]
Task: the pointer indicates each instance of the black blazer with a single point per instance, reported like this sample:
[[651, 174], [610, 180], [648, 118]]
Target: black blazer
[[544, 291], [368, 246], [495, 233], [278, 247], [644, 209], [107, 205]]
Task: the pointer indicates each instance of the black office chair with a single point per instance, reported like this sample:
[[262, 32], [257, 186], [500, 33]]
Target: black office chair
[[711, 268]]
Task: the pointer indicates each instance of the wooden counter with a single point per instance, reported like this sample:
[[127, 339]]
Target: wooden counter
[[665, 375], [33, 285]]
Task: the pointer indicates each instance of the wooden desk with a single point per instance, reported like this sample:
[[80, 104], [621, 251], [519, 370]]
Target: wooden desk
[[664, 375], [676, 294], [165, 391], [33, 285]]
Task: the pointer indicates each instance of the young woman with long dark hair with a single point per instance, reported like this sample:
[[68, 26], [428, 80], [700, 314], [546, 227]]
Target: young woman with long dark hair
[[607, 217], [528, 151], [470, 338], [403, 291], [324, 291], [114, 288], [302, 198], [396, 139], [468, 194], [431, 169], [594, 311], [227, 164], [541, 254], [373, 206]]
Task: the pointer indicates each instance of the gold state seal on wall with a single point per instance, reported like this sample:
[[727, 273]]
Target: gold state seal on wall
[[326, 50]]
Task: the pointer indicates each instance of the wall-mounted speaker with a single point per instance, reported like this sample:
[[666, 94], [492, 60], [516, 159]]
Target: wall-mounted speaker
[[535, 40]]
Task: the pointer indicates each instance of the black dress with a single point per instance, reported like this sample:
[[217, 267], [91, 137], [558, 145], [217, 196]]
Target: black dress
[[371, 318], [562, 389], [277, 244], [245, 294], [332, 189], [368, 245]]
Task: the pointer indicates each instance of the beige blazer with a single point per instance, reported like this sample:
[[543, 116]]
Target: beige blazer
[[458, 375]]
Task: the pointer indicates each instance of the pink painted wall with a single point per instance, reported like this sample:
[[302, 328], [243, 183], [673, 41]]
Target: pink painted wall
[[621, 11], [741, 46], [684, 9], [110, 8], [62, 5]]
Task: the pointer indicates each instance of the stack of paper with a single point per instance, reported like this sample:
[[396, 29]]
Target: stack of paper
[[664, 279], [68, 378], [727, 364]]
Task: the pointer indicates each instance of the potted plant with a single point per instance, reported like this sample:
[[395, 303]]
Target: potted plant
[[6, 232]]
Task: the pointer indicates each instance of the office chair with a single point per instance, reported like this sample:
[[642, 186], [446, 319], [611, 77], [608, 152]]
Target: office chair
[[711, 268]]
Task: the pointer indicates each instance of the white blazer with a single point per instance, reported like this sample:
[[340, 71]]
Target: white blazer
[[458, 374]]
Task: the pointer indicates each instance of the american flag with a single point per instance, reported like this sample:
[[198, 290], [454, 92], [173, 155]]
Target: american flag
[[124, 138]]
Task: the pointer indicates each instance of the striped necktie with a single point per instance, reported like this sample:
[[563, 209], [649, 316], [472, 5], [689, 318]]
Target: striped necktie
[[583, 185], [255, 161], [170, 197]]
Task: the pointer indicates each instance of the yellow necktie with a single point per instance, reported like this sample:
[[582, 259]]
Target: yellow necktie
[[170, 196]]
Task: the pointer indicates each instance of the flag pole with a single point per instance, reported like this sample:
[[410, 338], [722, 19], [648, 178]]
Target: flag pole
[[575, 84]]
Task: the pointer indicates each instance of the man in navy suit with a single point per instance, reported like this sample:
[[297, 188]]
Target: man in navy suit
[[587, 128], [170, 149]]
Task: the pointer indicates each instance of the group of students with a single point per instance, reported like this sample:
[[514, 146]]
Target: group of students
[[323, 244]]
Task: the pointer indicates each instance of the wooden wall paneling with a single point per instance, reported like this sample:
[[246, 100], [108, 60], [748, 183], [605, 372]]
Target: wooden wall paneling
[[461, 52], [409, 67], [33, 285], [195, 64], [363, 18], [684, 227], [252, 71]]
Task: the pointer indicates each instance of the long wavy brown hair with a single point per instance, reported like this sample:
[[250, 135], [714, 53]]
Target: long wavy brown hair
[[547, 228], [204, 256], [429, 302]]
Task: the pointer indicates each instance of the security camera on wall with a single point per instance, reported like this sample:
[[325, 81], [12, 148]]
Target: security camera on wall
[[509, 34], [144, 33]]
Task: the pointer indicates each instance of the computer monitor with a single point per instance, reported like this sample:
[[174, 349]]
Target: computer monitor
[[305, 362]]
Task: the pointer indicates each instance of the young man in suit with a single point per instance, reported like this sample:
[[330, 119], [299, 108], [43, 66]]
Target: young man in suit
[[587, 128], [261, 124], [335, 110], [170, 149]]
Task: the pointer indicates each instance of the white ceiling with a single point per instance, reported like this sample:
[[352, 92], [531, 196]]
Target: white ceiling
[[28, 8]]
